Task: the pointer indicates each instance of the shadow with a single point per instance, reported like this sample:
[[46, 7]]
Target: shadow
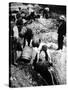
[[7, 85]]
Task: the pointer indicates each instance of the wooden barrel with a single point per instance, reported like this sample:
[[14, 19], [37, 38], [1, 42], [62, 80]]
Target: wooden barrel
[[27, 53]]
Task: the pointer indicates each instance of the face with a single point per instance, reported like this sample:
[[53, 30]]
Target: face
[[42, 57]]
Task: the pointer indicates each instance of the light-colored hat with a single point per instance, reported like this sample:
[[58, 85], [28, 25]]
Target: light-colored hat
[[47, 8], [62, 17]]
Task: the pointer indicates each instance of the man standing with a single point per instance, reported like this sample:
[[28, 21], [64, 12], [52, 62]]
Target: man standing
[[61, 32]]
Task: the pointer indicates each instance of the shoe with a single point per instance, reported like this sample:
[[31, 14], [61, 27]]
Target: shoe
[[58, 49]]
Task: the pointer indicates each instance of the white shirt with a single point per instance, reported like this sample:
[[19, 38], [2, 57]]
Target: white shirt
[[15, 30]]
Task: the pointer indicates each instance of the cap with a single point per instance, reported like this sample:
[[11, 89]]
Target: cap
[[62, 17], [47, 8]]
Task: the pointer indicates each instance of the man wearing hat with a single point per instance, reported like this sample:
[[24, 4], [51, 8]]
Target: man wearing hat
[[61, 31]]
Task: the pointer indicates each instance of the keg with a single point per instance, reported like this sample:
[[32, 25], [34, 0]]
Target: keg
[[27, 53]]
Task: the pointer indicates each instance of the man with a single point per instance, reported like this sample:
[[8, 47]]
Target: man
[[19, 24], [27, 34], [45, 12], [19, 21], [61, 32]]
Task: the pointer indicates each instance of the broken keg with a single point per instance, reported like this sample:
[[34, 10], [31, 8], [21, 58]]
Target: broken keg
[[27, 54]]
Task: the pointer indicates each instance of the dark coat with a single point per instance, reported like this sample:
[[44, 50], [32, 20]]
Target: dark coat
[[62, 29]]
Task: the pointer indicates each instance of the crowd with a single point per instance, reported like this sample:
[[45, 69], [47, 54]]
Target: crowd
[[20, 35], [25, 47]]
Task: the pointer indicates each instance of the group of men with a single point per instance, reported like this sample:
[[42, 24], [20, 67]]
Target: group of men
[[25, 35], [25, 47]]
